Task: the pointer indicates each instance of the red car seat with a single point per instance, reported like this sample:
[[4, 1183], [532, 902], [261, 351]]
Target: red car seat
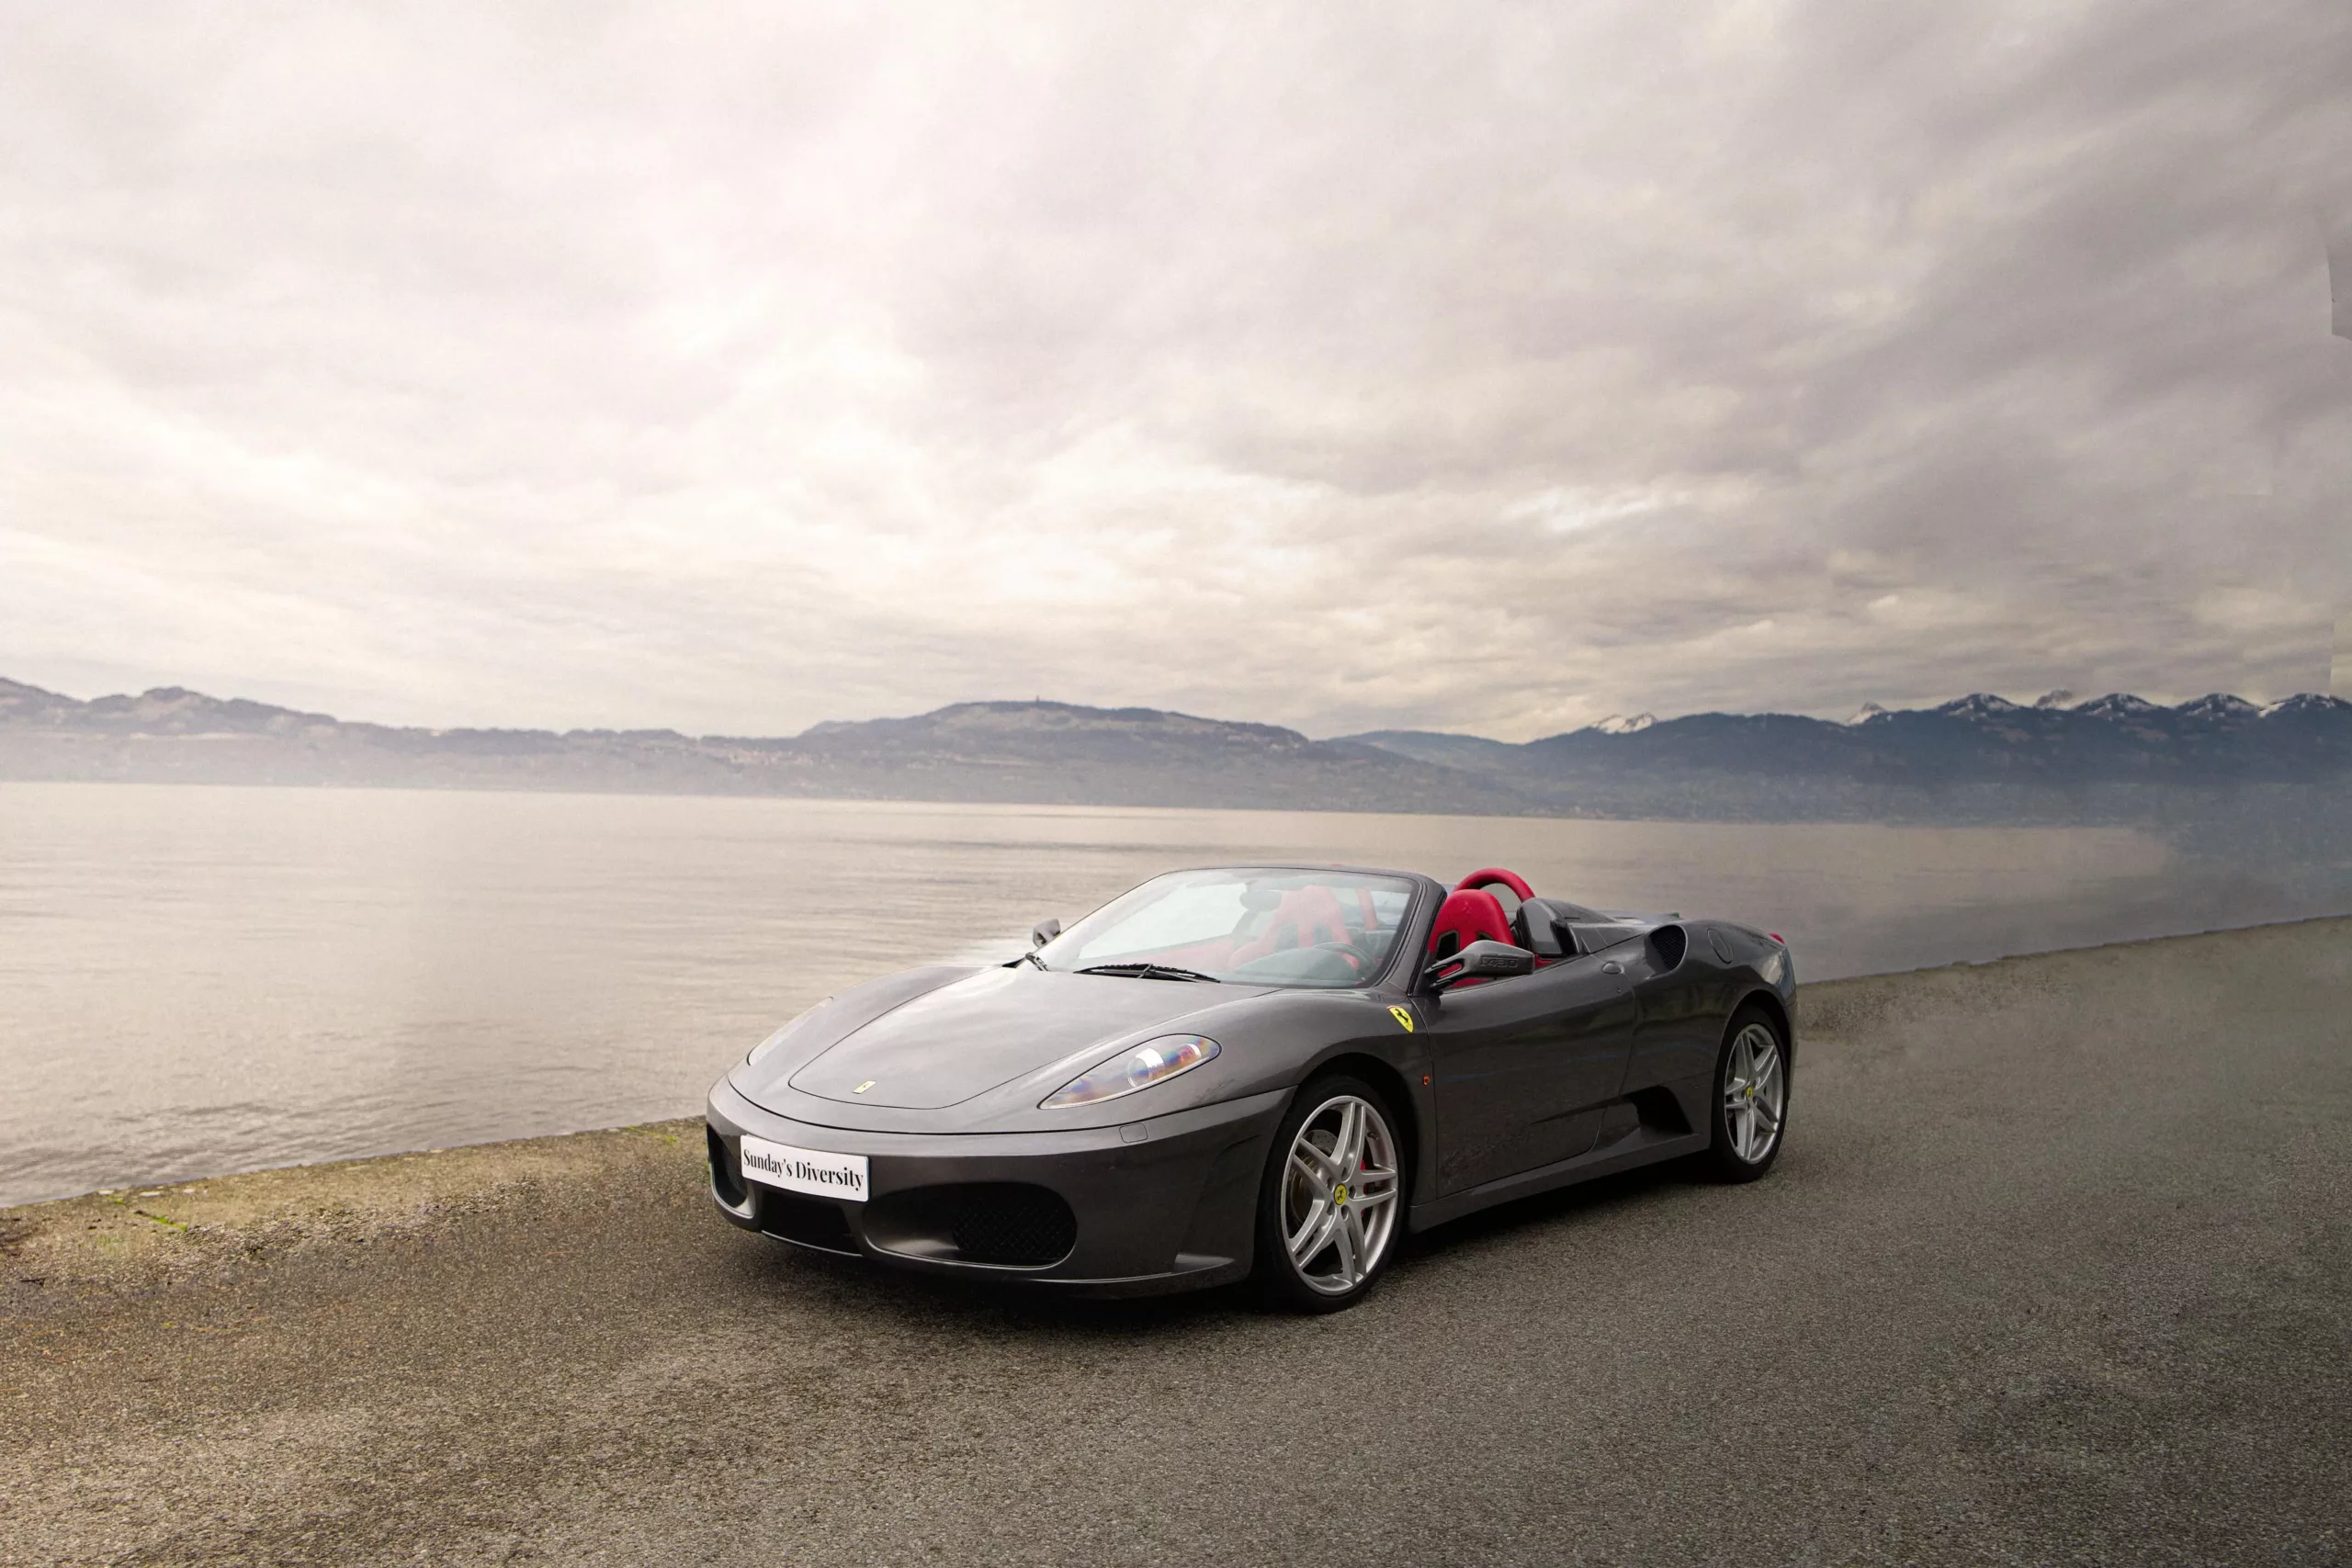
[[1307, 916], [1468, 915]]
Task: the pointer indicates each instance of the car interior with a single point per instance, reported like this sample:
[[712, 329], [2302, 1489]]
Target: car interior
[[1316, 927], [1476, 910], [1489, 905], [1307, 927], [1472, 912], [1308, 931]]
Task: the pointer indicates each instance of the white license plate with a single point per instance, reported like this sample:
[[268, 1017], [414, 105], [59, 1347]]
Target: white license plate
[[804, 1170]]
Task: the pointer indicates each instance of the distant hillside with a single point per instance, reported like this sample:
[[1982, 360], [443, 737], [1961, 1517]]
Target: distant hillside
[[1978, 740], [1045, 752], [1979, 758]]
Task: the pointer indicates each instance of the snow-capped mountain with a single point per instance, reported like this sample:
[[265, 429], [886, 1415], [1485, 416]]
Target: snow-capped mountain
[[2121, 706], [2219, 708], [2318, 705], [1979, 705], [1978, 740]]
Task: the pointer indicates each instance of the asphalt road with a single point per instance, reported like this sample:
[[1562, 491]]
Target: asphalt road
[[2057, 1268]]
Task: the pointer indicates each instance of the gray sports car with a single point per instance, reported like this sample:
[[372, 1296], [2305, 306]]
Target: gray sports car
[[1265, 1069]]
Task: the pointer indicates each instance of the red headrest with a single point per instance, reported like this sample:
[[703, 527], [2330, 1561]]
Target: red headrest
[[1510, 879], [1470, 915]]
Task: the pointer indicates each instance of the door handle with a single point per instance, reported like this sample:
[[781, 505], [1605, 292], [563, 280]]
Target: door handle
[[1613, 968]]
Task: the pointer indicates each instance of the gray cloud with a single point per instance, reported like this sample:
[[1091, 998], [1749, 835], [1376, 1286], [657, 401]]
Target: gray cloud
[[1398, 366]]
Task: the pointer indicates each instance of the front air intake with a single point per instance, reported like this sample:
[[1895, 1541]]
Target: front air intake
[[1004, 1224], [726, 1178], [811, 1222]]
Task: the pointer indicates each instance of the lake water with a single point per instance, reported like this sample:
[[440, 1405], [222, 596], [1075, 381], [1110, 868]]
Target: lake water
[[196, 980]]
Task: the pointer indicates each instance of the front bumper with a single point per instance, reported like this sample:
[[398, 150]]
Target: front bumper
[[1168, 1203]]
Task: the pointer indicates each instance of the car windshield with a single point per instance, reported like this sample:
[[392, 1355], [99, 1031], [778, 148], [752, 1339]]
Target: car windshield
[[1270, 926]]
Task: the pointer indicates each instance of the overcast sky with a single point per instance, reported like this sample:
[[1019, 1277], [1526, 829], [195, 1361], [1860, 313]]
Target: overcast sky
[[1337, 365]]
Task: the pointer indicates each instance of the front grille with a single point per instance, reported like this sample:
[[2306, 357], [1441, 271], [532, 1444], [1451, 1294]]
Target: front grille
[[1009, 1223], [811, 1222], [726, 1178]]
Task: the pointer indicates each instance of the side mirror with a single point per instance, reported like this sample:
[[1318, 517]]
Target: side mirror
[[1044, 931], [1479, 961]]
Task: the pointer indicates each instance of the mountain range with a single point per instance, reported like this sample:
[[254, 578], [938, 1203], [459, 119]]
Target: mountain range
[[1979, 758], [1979, 738]]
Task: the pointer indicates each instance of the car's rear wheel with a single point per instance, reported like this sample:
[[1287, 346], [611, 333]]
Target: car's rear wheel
[[1751, 1098], [1332, 1205]]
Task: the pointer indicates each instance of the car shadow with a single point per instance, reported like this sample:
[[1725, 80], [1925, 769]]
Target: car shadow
[[1565, 1203], [827, 1282], [919, 1300]]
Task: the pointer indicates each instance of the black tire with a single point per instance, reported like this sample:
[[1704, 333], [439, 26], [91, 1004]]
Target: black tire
[[1286, 1206], [1733, 1149]]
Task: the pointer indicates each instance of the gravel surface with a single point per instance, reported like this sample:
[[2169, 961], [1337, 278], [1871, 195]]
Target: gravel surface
[[2056, 1268]]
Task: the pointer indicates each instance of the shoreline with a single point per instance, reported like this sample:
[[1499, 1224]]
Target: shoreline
[[144, 1234], [2161, 810]]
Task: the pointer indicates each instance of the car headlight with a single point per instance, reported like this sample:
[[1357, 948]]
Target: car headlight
[[1154, 1061]]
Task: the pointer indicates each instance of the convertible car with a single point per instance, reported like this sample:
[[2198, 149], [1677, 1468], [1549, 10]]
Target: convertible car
[[1266, 1069]]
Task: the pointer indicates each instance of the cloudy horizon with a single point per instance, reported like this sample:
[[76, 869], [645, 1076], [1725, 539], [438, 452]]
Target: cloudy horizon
[[2058, 698], [733, 372]]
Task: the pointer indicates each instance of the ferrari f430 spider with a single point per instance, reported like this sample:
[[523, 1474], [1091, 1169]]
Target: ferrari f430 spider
[[1274, 1070]]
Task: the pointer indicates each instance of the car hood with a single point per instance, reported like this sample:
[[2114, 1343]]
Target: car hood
[[946, 1044]]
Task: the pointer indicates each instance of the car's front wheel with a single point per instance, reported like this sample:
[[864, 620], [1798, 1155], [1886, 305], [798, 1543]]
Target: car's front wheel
[[1333, 1197]]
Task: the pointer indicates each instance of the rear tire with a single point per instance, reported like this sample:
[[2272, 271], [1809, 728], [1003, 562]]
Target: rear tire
[[1748, 1113], [1331, 1207]]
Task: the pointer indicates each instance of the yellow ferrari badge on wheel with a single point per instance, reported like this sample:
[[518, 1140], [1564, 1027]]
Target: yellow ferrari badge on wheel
[[1404, 1017]]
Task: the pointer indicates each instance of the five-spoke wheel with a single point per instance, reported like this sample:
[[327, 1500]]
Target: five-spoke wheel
[[1329, 1212], [1751, 1098]]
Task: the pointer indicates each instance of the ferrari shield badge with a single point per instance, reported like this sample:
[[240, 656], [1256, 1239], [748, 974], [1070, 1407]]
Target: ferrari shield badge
[[1403, 1017]]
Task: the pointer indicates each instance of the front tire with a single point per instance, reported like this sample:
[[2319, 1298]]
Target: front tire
[[1750, 1108], [1330, 1208]]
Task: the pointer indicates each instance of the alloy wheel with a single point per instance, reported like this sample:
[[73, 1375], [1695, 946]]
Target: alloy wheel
[[1339, 1191], [1755, 1093]]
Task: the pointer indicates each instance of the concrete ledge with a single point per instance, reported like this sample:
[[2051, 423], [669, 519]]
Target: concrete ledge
[[142, 1237], [1849, 1008]]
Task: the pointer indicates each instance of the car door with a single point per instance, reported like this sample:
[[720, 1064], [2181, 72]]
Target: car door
[[1523, 1066]]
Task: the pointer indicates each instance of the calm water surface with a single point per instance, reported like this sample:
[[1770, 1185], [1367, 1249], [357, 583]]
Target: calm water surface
[[195, 979]]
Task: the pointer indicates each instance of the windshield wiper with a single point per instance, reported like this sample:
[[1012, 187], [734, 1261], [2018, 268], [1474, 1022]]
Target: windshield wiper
[[1151, 972]]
